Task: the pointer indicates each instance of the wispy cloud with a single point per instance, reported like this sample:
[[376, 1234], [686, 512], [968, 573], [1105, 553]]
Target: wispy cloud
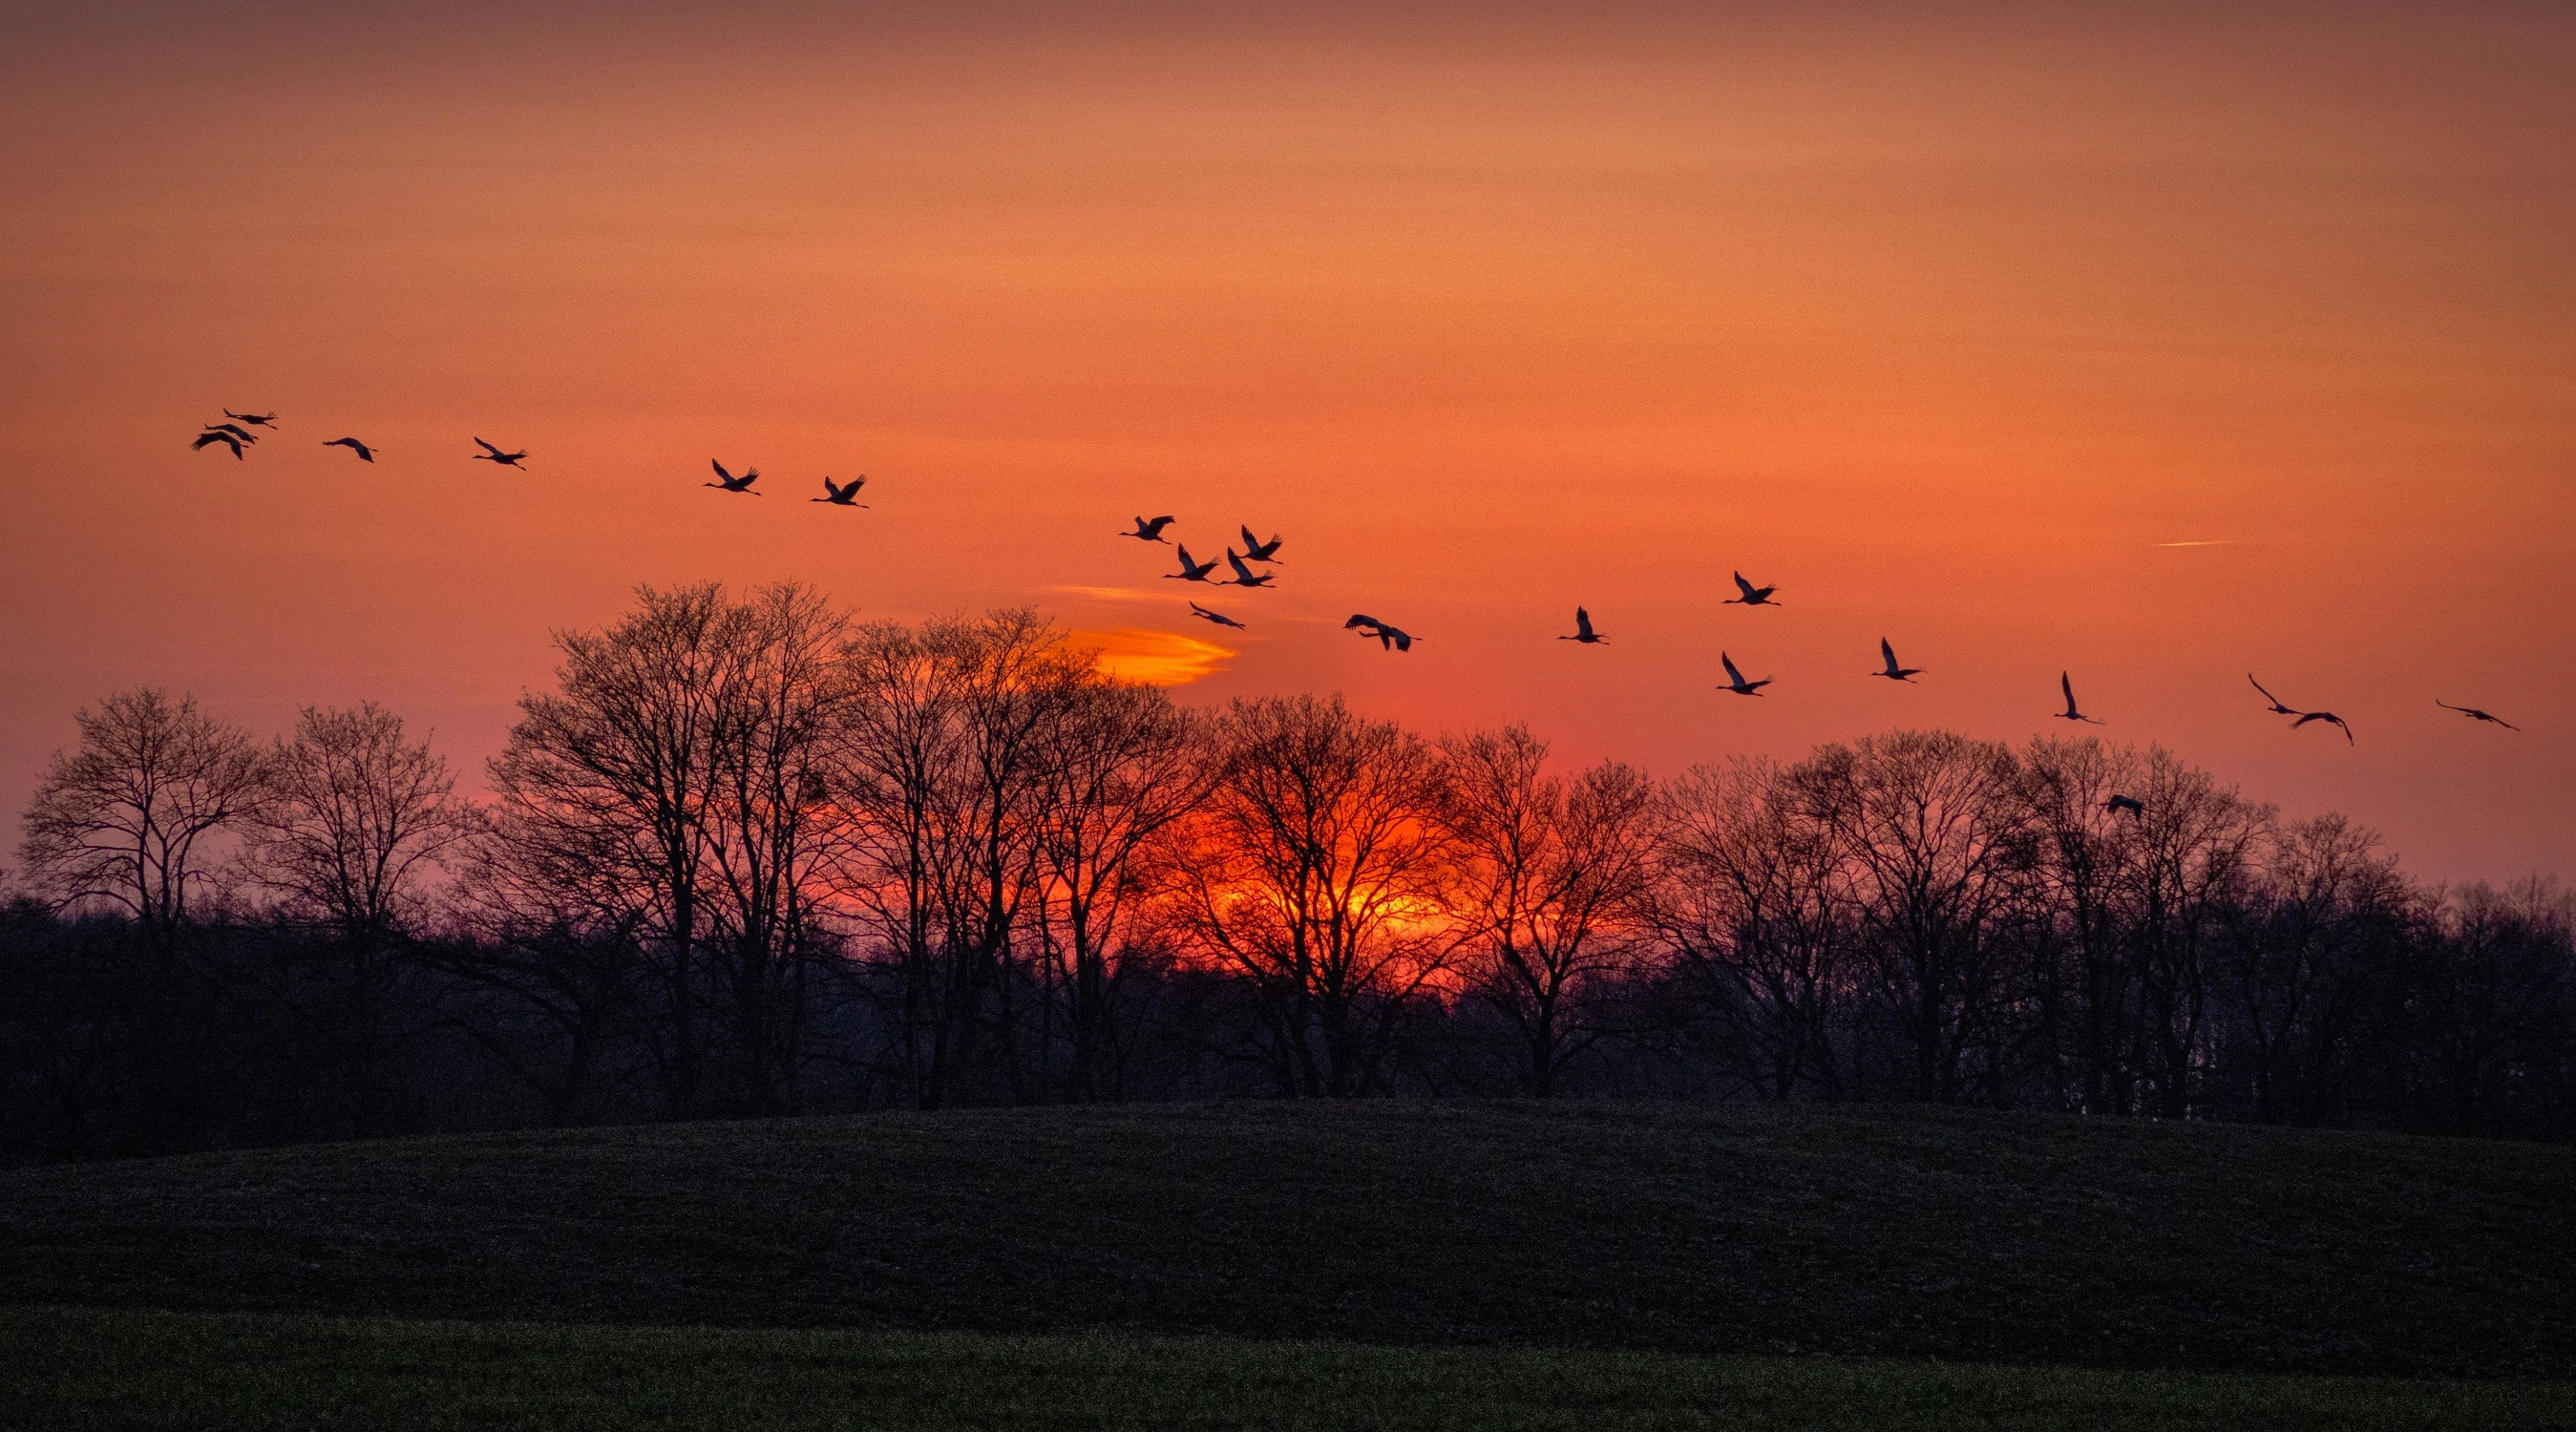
[[1156, 658], [2222, 542], [1110, 594]]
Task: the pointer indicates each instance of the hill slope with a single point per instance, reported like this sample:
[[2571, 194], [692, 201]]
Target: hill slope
[[1872, 1231]]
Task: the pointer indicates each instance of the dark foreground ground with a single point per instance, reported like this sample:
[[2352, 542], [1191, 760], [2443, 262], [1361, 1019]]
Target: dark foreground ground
[[80, 1370], [1972, 1237]]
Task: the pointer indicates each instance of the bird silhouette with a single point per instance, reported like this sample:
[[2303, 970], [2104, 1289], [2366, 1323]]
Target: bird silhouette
[[2329, 718], [1388, 637], [839, 495], [245, 434], [212, 436], [1191, 571], [1895, 672], [1220, 618], [257, 420], [1243, 575], [364, 452], [493, 454], [731, 483], [2277, 708], [1735, 679], [1255, 550], [1149, 529], [2475, 714], [2070, 713], [1753, 596], [1583, 631], [2131, 804]]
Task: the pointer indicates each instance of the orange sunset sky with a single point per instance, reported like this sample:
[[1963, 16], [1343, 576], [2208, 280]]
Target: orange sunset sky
[[2161, 348]]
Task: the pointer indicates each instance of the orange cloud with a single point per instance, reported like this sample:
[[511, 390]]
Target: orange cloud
[[1156, 658]]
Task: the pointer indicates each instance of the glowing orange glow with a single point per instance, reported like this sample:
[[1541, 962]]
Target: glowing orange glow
[[1155, 658], [2158, 348]]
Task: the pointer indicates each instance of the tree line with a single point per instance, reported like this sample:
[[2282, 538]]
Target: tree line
[[752, 856]]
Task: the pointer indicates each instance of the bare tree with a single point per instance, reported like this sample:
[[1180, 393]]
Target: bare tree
[[2135, 900], [603, 789], [1122, 763], [1754, 903], [2495, 981], [1318, 869], [769, 830], [125, 819], [2302, 961], [356, 819], [1549, 876], [941, 765], [1930, 828]]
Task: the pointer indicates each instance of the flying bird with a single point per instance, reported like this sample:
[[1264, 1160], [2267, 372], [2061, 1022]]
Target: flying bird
[[2475, 714], [245, 434], [1753, 596], [2329, 718], [2277, 708], [1255, 550], [1388, 637], [493, 454], [1191, 571], [1735, 679], [1583, 631], [2131, 804], [2070, 713], [1243, 576], [1895, 672], [257, 420], [839, 495], [364, 452], [1220, 618], [731, 483], [212, 436], [1149, 529]]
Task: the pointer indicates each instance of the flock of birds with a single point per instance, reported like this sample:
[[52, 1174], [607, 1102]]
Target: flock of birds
[[236, 433]]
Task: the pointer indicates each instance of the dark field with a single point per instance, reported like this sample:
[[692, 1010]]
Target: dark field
[[82, 1370], [1973, 1237]]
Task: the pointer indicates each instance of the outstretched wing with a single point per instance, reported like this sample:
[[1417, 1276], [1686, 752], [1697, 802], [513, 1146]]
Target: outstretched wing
[[1241, 572], [1744, 586], [487, 447], [1582, 622], [1887, 651], [1733, 675], [2276, 701], [2066, 684]]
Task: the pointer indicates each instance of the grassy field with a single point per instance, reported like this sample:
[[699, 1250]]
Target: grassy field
[[1970, 1237], [78, 1369]]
